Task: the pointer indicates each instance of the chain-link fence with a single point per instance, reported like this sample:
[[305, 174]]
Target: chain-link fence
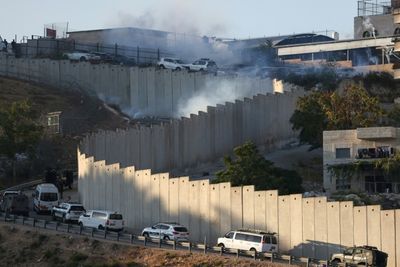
[[57, 48]]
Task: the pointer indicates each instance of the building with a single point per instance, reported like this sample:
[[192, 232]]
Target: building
[[351, 159], [374, 19]]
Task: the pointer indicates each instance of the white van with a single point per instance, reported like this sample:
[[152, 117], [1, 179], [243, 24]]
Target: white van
[[252, 240], [45, 197], [101, 219]]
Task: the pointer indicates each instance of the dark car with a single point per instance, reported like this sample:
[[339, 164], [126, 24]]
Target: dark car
[[364, 255], [16, 204]]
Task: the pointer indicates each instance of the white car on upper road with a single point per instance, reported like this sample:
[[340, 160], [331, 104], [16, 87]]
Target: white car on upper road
[[203, 64], [82, 56], [167, 231], [171, 63]]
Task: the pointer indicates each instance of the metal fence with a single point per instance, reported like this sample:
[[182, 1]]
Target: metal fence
[[131, 239], [54, 48]]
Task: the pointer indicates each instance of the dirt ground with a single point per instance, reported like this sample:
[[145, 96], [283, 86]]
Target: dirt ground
[[25, 246]]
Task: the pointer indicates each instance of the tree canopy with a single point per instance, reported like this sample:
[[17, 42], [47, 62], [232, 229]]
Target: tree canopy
[[19, 133], [320, 111], [249, 167]]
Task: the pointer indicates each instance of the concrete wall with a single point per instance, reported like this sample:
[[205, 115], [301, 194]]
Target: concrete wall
[[141, 91], [202, 138], [311, 227]]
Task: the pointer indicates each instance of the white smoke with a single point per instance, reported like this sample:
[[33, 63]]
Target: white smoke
[[369, 26], [213, 93], [180, 16], [187, 29]]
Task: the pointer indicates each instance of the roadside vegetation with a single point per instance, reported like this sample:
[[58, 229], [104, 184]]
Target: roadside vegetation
[[23, 246], [249, 167]]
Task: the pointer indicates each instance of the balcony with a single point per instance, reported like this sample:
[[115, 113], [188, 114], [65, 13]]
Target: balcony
[[379, 152], [376, 133]]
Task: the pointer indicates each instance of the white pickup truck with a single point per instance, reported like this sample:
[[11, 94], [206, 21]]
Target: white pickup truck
[[68, 211]]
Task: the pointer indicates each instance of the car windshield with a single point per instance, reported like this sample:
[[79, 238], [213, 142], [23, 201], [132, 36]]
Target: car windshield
[[77, 208], [49, 197], [180, 61], [115, 217], [180, 229]]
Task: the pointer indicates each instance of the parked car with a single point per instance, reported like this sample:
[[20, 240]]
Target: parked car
[[15, 204], [167, 231], [8, 193], [363, 255], [203, 64], [171, 63], [82, 56], [104, 57], [252, 240], [45, 197], [68, 211], [123, 60], [101, 220]]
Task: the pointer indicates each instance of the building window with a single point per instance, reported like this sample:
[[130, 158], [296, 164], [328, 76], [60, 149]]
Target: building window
[[342, 153], [366, 34], [53, 122], [343, 184]]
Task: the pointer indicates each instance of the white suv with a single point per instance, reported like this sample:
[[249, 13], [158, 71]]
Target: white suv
[[171, 63], [203, 64], [253, 240], [68, 211], [101, 220], [167, 231]]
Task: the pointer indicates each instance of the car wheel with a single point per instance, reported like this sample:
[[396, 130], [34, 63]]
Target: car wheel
[[101, 227], [166, 237], [253, 250], [80, 224], [178, 68], [221, 245], [146, 234], [162, 67], [82, 59], [63, 219], [335, 262]]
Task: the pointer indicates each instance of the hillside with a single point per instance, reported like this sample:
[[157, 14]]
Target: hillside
[[84, 114], [24, 246]]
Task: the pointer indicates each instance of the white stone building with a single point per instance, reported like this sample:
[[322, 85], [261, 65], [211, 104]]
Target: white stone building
[[350, 157]]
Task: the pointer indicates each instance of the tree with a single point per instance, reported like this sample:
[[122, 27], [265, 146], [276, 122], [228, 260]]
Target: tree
[[320, 111], [310, 119], [18, 131], [250, 168]]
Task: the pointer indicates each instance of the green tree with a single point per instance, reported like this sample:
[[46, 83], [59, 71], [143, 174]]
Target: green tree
[[249, 167], [319, 111], [19, 132]]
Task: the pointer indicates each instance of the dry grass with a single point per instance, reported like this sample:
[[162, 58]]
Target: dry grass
[[24, 246]]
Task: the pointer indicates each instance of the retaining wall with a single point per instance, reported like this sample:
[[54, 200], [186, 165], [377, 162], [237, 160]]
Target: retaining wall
[[204, 137], [311, 227], [145, 91]]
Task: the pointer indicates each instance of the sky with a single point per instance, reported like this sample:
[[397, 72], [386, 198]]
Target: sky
[[238, 19]]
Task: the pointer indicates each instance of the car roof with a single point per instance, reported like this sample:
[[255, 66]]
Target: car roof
[[73, 203], [105, 211], [46, 186], [171, 223], [255, 231], [11, 192]]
